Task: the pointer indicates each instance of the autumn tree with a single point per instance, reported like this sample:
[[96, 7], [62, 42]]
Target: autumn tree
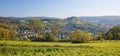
[[87, 36], [7, 29], [4, 34]]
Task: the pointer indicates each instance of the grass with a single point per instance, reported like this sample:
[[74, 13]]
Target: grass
[[95, 48], [64, 44]]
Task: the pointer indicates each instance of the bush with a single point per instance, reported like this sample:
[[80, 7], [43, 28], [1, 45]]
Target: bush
[[55, 39], [79, 36], [26, 39]]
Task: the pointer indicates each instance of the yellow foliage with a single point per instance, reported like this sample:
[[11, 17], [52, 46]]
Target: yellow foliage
[[4, 34], [80, 36]]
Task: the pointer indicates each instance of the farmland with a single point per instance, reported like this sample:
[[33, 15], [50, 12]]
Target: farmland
[[94, 48], [59, 28]]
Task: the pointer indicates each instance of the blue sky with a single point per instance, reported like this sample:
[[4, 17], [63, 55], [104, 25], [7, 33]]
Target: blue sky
[[59, 8]]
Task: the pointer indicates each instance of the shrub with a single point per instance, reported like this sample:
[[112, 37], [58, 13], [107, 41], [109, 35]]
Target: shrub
[[79, 36], [55, 39], [26, 39]]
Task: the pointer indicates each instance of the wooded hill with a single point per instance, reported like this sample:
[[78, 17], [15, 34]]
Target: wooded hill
[[49, 28], [93, 24]]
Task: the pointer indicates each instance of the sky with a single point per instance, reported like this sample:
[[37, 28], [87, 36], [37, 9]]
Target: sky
[[59, 8]]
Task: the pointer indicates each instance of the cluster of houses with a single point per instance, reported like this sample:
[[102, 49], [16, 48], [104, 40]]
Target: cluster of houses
[[25, 33]]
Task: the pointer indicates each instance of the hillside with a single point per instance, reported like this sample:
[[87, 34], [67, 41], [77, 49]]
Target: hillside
[[92, 24], [95, 24], [102, 19]]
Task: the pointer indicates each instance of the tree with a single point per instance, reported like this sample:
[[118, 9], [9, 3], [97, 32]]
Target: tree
[[52, 31], [101, 36], [114, 33], [87, 36], [55, 29], [110, 36], [36, 26], [76, 36], [118, 35], [4, 34], [7, 29], [80, 36]]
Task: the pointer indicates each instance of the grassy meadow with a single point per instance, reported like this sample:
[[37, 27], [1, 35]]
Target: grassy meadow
[[95, 48]]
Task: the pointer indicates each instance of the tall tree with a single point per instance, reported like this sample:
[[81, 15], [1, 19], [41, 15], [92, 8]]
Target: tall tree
[[110, 36], [36, 26], [101, 36], [53, 31]]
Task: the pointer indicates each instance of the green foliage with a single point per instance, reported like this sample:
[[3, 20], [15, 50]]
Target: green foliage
[[110, 36], [55, 29], [26, 39], [36, 26], [49, 37], [80, 36], [114, 33], [101, 36], [55, 39]]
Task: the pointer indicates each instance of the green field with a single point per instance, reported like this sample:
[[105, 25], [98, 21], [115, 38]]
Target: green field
[[95, 48]]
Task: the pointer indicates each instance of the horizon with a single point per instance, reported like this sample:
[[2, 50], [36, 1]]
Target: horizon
[[65, 17], [59, 9]]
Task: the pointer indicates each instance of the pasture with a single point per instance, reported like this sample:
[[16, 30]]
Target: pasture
[[95, 48]]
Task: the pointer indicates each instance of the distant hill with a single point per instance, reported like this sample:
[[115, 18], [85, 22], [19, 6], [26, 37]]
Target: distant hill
[[27, 18], [97, 19], [102, 19], [7, 23], [5, 20], [93, 24]]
